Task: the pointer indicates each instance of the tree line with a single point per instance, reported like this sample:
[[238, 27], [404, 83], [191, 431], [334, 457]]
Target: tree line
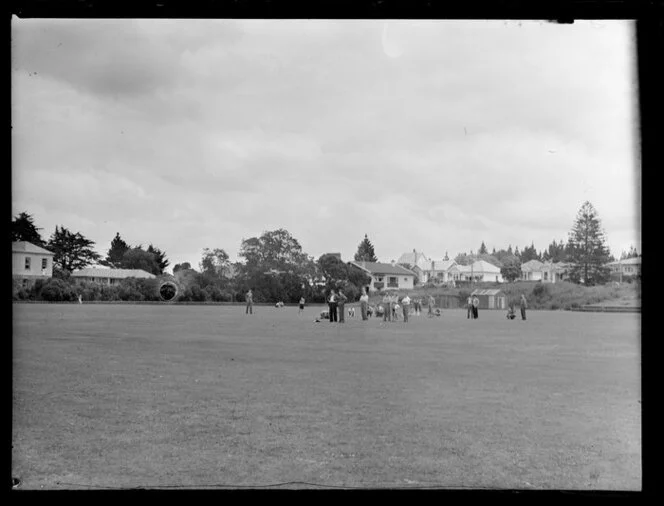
[[275, 267]]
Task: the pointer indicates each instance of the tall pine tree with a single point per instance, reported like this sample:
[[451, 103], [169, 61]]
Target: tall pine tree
[[365, 251], [24, 229], [116, 252], [588, 252]]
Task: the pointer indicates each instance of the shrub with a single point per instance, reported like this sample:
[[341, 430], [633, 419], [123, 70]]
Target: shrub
[[58, 290], [541, 290]]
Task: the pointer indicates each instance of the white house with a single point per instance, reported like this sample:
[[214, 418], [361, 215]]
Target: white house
[[532, 270], [553, 272], [440, 271], [110, 276], [386, 276], [418, 262], [480, 270], [628, 266], [30, 262]]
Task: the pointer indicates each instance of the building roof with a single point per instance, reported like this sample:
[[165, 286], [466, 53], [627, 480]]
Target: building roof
[[442, 265], [627, 261], [381, 268], [532, 265], [555, 265], [488, 291], [28, 247], [90, 272], [484, 266], [415, 258]]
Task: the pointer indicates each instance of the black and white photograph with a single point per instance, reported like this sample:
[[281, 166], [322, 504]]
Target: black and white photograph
[[325, 254]]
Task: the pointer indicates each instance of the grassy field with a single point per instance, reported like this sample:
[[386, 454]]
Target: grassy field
[[162, 396]]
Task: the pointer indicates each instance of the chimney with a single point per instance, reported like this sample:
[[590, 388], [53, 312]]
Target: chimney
[[392, 261]]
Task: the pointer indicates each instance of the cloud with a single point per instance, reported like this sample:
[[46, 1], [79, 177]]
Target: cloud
[[198, 134]]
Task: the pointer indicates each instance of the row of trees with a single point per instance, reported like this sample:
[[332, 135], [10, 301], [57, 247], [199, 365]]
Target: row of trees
[[585, 251], [275, 268]]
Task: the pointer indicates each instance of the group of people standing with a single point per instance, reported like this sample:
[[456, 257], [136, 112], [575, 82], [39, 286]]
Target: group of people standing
[[336, 303], [472, 305], [390, 308]]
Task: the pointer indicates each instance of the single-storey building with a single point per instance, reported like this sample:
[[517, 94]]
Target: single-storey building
[[532, 271], [490, 298], [554, 271], [30, 262], [628, 266], [440, 271], [110, 276], [386, 276], [480, 270]]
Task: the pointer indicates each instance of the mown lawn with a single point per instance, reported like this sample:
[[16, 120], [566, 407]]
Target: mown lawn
[[199, 396]]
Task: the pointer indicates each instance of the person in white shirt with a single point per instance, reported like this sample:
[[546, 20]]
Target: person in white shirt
[[405, 304], [332, 301], [364, 303]]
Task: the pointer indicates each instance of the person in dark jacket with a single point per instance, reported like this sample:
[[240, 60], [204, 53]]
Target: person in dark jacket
[[476, 307], [524, 306]]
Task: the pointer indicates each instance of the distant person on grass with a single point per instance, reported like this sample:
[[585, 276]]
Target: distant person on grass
[[364, 303], [301, 305], [469, 306], [476, 306], [524, 306], [394, 305], [387, 307], [432, 303], [341, 302], [249, 298], [332, 302], [405, 304]]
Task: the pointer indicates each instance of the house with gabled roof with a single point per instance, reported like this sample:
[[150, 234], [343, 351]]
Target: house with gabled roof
[[532, 270], [385, 276], [555, 271], [417, 262], [440, 271], [30, 262], [481, 270]]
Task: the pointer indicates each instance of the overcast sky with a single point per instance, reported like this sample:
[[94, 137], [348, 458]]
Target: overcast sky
[[434, 135]]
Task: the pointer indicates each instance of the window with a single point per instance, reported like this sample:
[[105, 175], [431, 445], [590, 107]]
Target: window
[[27, 263], [25, 283], [405, 279], [44, 263]]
